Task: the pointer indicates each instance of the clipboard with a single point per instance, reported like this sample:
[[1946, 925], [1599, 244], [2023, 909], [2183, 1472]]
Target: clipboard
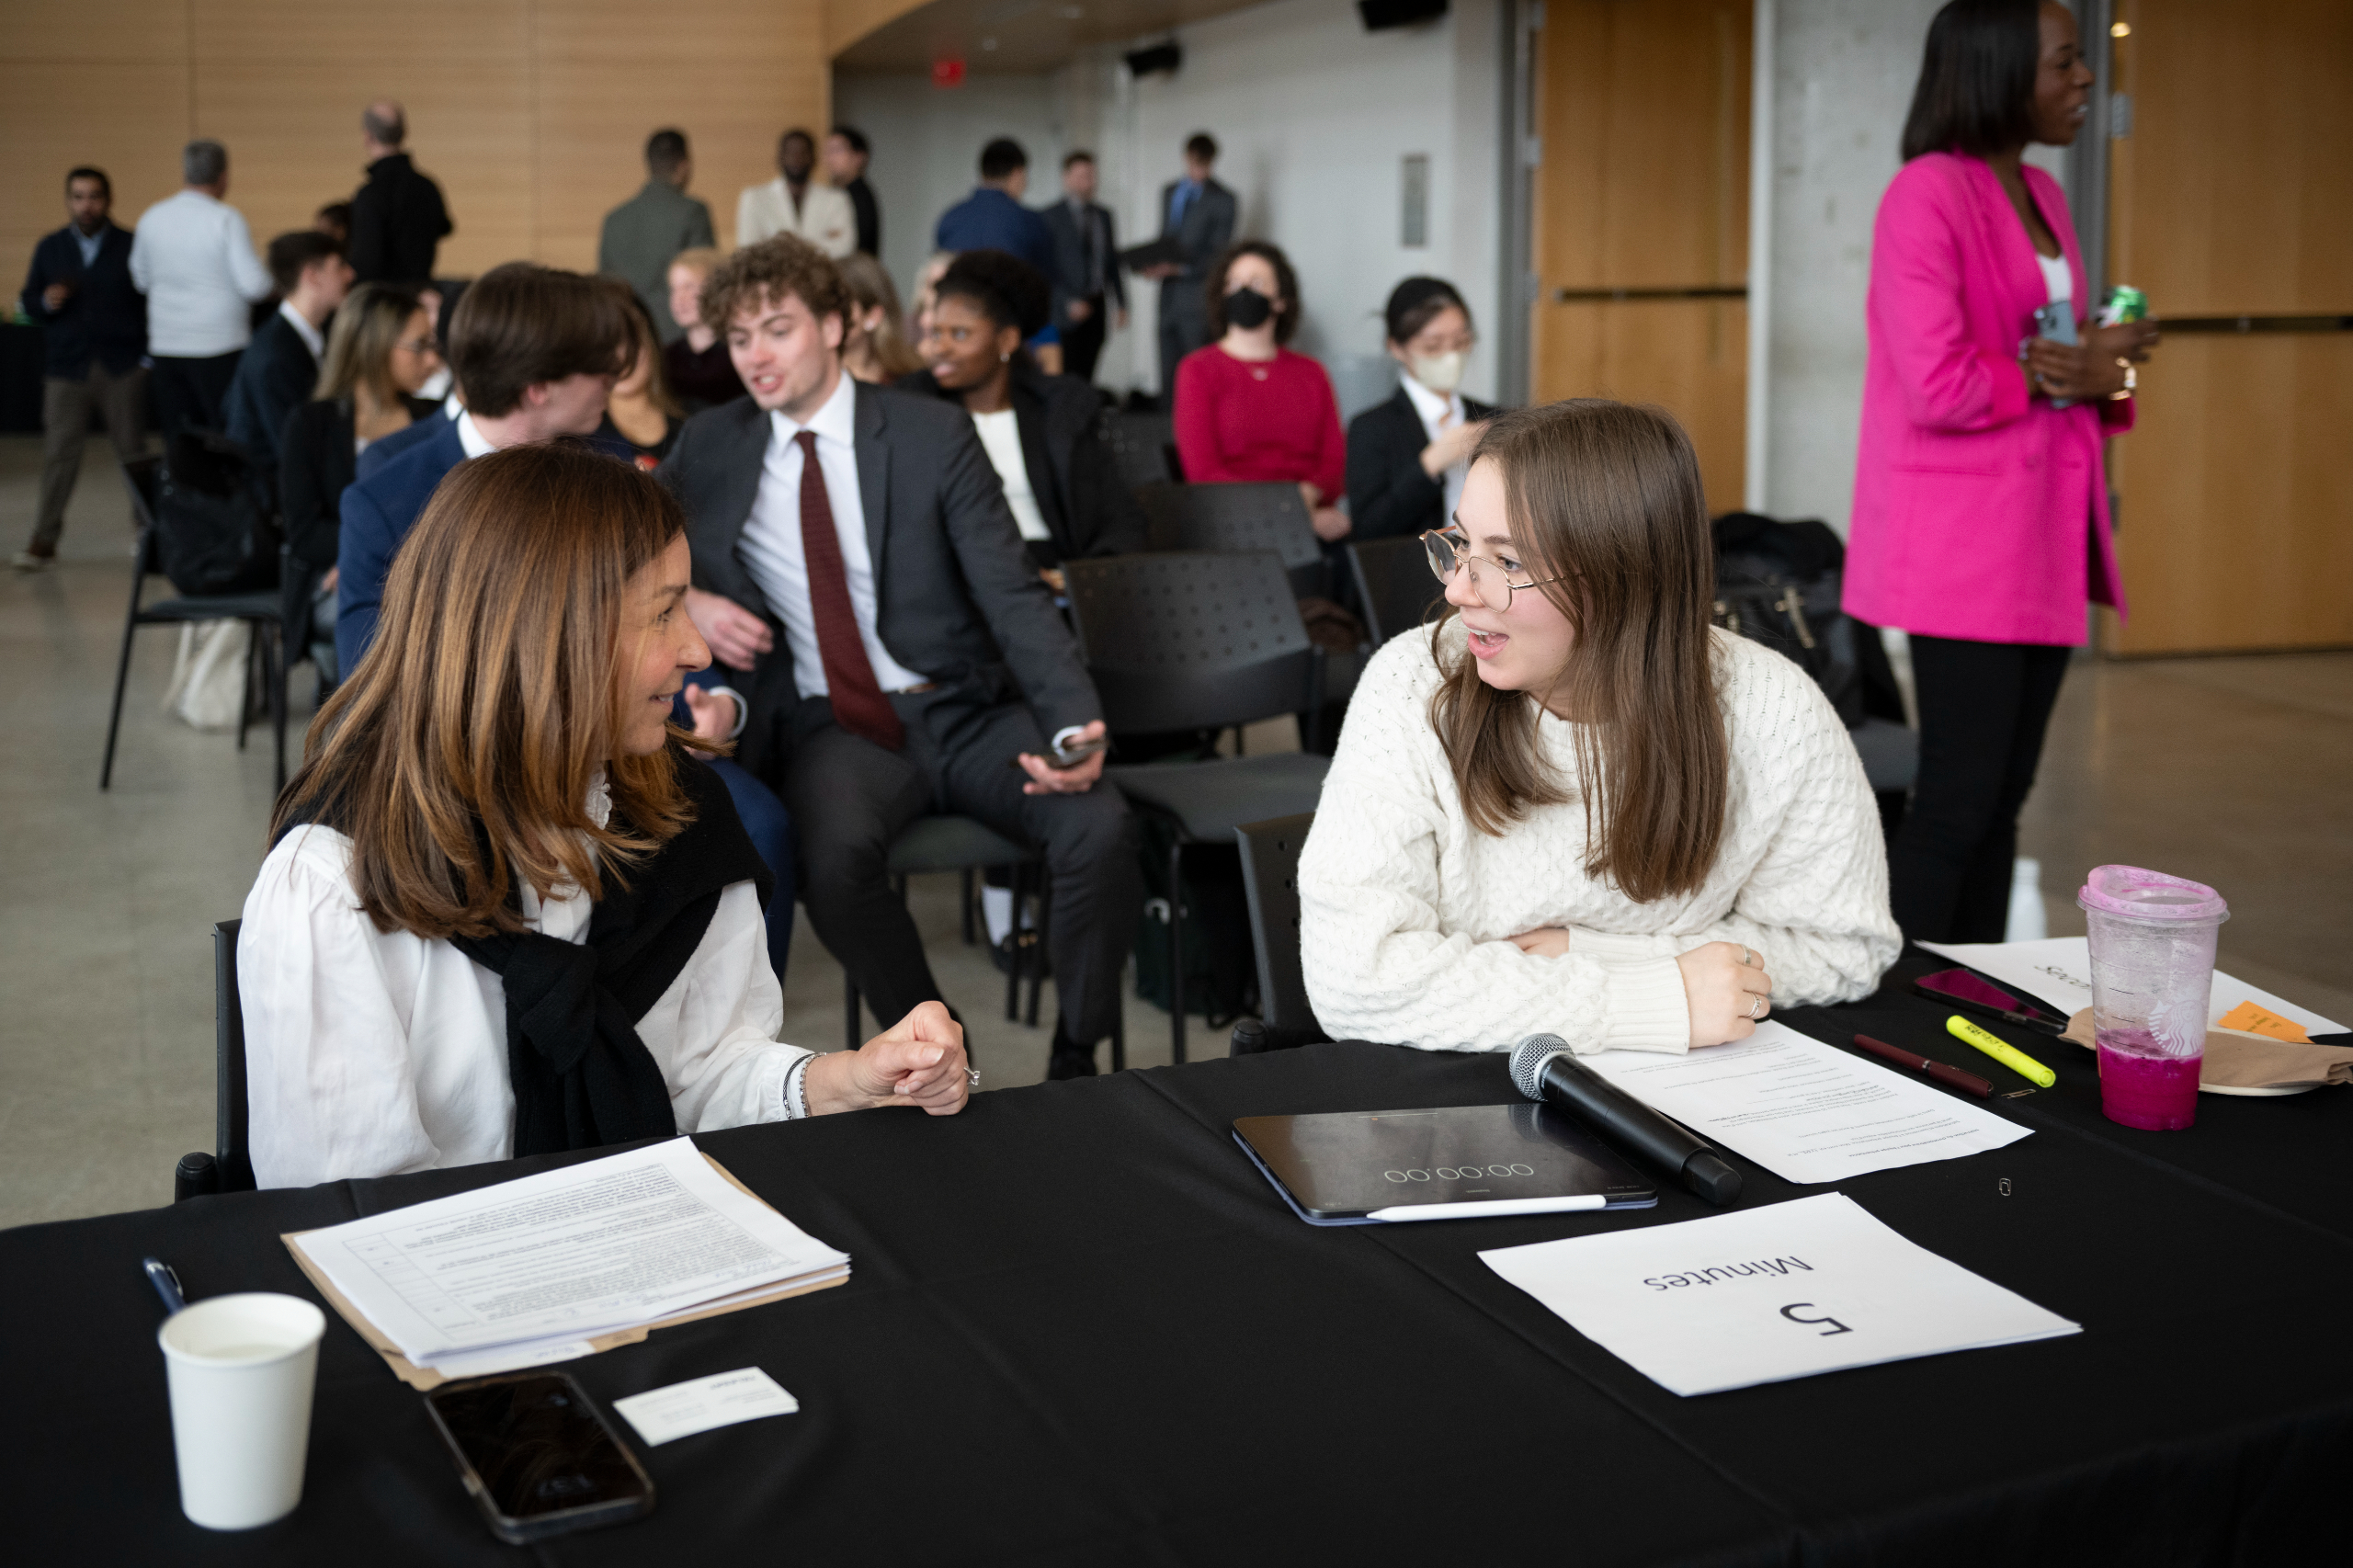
[[426, 1377]]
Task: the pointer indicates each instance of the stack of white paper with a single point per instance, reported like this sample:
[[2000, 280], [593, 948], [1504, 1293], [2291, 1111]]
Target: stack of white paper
[[1763, 1295], [1804, 1110], [528, 1271]]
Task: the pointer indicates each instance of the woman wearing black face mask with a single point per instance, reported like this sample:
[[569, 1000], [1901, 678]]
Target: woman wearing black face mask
[[1249, 410]]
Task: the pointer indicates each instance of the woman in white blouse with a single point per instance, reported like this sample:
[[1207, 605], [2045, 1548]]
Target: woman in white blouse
[[504, 912], [1576, 807]]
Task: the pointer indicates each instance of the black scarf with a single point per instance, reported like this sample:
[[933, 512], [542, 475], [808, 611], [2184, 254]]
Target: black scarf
[[582, 1077]]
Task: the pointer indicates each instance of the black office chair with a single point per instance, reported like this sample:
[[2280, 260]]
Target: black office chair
[[961, 844], [230, 1166], [1395, 588], [1145, 446], [1198, 642], [1270, 881], [1237, 517], [265, 610]]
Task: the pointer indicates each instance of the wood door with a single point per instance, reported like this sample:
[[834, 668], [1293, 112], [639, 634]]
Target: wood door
[[1641, 228], [2232, 196]]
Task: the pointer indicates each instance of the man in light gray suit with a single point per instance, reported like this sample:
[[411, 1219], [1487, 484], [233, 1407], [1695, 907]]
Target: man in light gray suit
[[890, 649], [1198, 215], [644, 233]]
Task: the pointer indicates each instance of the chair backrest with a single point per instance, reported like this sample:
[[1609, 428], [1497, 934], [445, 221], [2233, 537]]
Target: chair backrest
[[1233, 518], [1141, 443], [1393, 585], [232, 1154], [1270, 879], [1191, 640]]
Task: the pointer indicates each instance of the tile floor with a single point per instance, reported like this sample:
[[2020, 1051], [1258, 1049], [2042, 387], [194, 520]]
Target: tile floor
[[2232, 770]]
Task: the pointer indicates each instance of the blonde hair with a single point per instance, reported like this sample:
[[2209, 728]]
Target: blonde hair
[[367, 328], [459, 755]]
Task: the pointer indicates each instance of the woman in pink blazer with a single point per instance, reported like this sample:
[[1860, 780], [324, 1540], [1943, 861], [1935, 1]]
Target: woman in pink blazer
[[1979, 523]]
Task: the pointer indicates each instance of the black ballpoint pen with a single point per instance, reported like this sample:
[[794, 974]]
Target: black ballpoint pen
[[166, 1283]]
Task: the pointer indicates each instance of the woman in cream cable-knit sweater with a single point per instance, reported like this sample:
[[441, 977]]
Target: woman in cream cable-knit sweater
[[1575, 807]]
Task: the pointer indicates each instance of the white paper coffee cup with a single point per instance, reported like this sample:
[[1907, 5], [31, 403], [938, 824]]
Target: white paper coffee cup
[[242, 1370]]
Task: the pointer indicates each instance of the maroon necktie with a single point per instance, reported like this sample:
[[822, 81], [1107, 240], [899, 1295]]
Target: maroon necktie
[[860, 706]]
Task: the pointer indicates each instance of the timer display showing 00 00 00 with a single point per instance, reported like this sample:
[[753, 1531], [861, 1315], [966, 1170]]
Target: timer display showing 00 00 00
[[1460, 1173]]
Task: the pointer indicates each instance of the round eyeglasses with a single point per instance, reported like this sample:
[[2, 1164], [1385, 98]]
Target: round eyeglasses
[[1493, 581]]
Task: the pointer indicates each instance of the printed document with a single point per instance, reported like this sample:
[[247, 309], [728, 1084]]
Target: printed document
[[1805, 1110], [564, 1256], [1764, 1295], [2059, 972]]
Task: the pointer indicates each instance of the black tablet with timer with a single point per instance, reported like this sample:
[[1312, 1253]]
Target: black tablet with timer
[[1453, 1162]]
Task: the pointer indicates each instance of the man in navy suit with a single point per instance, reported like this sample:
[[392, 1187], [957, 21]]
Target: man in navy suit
[[281, 364], [993, 217], [537, 352], [79, 289]]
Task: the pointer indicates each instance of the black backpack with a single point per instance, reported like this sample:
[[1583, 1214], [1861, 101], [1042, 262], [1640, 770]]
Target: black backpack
[[215, 531], [1779, 584]]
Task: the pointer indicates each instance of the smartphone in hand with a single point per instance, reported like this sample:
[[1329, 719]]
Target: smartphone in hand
[[1078, 751]]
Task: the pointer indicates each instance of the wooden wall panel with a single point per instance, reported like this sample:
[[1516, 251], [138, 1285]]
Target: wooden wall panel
[[48, 126], [2245, 542], [532, 114], [2230, 197], [1643, 184], [1689, 357]]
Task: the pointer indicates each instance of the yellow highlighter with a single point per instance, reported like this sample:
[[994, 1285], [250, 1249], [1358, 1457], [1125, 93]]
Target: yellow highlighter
[[2001, 1050]]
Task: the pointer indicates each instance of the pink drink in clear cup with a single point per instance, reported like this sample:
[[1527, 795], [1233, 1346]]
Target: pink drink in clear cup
[[2153, 966]]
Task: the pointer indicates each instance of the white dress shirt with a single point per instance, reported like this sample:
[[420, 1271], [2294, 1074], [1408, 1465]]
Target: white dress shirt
[[313, 339], [1001, 439], [370, 1053], [470, 439], [771, 544], [826, 218], [193, 257], [1439, 415]]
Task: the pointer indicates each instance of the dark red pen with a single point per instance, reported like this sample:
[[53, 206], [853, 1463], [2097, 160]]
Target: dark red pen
[[1937, 1070]]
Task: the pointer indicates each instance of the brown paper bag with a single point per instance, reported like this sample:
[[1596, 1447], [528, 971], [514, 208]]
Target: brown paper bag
[[2237, 1060]]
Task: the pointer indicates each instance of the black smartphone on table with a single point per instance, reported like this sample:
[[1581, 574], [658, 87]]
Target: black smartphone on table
[[538, 1456]]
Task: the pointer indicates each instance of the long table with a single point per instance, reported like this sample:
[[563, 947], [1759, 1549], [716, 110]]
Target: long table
[[1082, 1329]]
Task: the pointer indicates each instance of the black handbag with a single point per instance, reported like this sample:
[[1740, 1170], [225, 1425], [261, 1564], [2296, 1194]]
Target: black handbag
[[216, 531], [1779, 584]]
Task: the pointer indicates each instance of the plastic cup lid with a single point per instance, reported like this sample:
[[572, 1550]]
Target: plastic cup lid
[[2150, 895]]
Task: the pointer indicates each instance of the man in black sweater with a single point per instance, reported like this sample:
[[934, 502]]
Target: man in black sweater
[[397, 218], [79, 289]]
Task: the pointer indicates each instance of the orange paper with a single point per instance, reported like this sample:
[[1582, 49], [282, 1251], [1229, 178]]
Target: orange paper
[[2255, 1020]]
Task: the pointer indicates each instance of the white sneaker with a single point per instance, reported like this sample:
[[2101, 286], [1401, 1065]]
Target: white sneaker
[[26, 561]]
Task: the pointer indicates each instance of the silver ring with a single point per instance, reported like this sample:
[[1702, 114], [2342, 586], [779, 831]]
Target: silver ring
[[972, 1077], [1756, 1009]]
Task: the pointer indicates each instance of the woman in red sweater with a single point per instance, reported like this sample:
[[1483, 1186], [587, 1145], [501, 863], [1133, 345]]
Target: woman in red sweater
[[1250, 411]]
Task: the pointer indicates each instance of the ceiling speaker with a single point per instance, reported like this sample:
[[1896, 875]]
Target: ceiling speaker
[[1167, 57], [1380, 14]]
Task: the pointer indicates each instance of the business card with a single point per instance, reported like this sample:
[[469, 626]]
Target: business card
[[720, 1400]]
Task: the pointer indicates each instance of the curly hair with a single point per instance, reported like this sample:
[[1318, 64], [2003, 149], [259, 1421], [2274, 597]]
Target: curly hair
[[765, 273], [1286, 284], [1002, 287]]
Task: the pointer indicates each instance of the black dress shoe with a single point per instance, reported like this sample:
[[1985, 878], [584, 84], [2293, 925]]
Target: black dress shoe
[[1071, 1063]]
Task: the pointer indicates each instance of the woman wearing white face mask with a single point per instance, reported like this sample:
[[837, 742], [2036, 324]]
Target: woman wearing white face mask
[[1407, 457]]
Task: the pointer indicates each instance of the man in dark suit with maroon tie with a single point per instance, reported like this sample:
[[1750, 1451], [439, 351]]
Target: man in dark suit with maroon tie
[[890, 648]]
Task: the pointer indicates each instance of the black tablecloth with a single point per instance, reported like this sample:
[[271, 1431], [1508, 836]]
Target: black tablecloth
[[1082, 1329]]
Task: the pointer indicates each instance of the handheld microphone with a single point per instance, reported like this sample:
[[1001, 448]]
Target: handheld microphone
[[1543, 1069]]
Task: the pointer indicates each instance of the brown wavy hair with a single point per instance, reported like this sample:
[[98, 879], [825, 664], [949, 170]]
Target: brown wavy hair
[[1606, 497], [764, 273], [458, 757]]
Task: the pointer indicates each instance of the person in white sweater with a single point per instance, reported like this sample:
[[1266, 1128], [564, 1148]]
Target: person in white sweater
[[506, 913], [1575, 807]]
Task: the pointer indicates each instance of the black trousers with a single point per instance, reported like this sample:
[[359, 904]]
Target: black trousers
[[192, 391], [850, 798], [1083, 341], [1184, 326], [1984, 708]]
